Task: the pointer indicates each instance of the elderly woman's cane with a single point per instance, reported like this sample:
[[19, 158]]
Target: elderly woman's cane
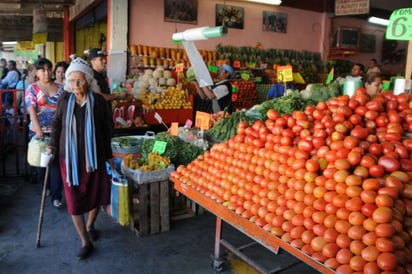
[[43, 200]]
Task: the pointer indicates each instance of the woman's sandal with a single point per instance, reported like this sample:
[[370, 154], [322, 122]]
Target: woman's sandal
[[85, 251]]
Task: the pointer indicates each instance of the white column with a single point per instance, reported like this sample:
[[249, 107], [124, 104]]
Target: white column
[[118, 28]]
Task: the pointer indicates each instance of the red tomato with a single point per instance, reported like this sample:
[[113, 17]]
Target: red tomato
[[359, 133], [272, 114], [389, 163]]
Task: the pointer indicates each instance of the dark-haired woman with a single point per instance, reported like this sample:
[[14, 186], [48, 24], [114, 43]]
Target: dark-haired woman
[[41, 101], [59, 71]]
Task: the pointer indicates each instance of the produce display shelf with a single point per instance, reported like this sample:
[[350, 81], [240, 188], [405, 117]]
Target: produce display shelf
[[268, 240]]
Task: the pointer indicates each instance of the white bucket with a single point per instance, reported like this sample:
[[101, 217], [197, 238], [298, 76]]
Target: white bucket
[[399, 86], [350, 86]]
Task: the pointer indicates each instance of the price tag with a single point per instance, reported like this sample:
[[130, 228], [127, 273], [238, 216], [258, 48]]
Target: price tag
[[212, 68], [285, 74], [263, 65], [179, 67], [252, 65], [245, 76], [202, 120], [258, 79], [400, 25], [234, 88], [236, 64], [159, 146], [188, 123], [174, 129]]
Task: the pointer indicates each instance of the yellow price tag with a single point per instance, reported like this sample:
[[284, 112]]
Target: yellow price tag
[[202, 120], [174, 129], [285, 74]]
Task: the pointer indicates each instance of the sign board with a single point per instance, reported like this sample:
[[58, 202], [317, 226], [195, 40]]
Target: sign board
[[400, 25], [159, 146], [202, 120], [350, 7], [285, 73]]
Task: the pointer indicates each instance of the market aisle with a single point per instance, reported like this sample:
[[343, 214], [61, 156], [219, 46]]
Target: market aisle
[[186, 248]]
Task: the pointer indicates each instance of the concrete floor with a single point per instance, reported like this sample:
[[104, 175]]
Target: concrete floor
[[186, 248]]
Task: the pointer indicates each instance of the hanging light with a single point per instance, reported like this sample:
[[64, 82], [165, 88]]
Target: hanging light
[[378, 21], [267, 2]]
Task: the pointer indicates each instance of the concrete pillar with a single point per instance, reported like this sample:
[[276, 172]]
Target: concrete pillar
[[117, 30]]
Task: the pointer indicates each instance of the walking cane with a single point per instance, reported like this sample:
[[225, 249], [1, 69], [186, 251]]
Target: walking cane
[[43, 201]]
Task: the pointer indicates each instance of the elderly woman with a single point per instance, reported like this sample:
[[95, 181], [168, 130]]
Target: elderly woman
[[81, 139]]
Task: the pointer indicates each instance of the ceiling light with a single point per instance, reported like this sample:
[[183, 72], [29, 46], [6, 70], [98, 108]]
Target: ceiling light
[[267, 2], [378, 21], [9, 43]]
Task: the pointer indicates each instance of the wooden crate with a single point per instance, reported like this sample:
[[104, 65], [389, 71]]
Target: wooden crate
[[149, 207], [182, 207]]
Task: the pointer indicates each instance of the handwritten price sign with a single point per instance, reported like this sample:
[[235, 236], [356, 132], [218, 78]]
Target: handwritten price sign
[[400, 25], [285, 74], [159, 146], [202, 120], [174, 129]]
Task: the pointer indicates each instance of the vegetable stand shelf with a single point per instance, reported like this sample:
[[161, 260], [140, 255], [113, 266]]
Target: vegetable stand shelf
[[250, 229]]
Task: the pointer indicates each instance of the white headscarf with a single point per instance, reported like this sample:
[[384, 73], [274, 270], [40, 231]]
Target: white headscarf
[[81, 65]]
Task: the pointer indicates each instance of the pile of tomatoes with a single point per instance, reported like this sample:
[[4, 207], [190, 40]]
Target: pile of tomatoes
[[333, 181]]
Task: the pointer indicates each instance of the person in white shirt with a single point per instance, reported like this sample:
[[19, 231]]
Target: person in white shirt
[[373, 66], [356, 73]]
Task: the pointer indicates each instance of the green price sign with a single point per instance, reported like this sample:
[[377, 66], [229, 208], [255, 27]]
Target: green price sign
[[212, 68], [159, 146], [400, 25]]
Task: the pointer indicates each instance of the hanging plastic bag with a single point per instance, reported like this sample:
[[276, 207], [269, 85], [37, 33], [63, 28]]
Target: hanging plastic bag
[[119, 201], [35, 148]]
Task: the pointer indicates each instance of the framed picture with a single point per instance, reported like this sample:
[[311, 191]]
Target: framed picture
[[180, 11], [233, 17], [275, 21], [367, 43]]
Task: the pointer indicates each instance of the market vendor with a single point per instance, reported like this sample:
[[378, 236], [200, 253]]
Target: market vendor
[[278, 90], [373, 84], [98, 61], [356, 73], [221, 92]]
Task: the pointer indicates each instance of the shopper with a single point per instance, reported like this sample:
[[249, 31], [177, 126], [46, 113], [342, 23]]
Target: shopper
[[81, 140], [41, 102], [28, 78], [98, 61], [373, 66], [3, 68], [59, 70], [221, 92], [373, 84], [356, 73]]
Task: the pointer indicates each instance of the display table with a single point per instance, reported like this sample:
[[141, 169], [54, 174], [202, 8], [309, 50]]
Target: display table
[[250, 229]]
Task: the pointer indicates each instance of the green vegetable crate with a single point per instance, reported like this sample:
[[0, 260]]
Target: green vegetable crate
[[124, 145]]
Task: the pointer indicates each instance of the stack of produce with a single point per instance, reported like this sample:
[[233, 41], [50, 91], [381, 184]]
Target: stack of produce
[[334, 180], [179, 152], [245, 93], [262, 91], [154, 161], [172, 98]]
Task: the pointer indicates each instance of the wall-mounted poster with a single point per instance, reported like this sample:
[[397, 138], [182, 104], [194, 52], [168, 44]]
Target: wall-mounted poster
[[367, 43], [233, 17], [274, 21], [180, 11]]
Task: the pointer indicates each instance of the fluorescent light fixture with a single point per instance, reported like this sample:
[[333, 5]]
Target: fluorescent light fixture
[[378, 21], [9, 43], [267, 2]]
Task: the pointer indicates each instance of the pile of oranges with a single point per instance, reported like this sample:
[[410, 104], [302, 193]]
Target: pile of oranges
[[334, 181]]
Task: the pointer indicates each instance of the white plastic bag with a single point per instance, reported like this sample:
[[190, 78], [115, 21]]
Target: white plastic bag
[[34, 150]]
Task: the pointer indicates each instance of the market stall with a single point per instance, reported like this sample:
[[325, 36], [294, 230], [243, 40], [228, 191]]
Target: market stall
[[329, 183]]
